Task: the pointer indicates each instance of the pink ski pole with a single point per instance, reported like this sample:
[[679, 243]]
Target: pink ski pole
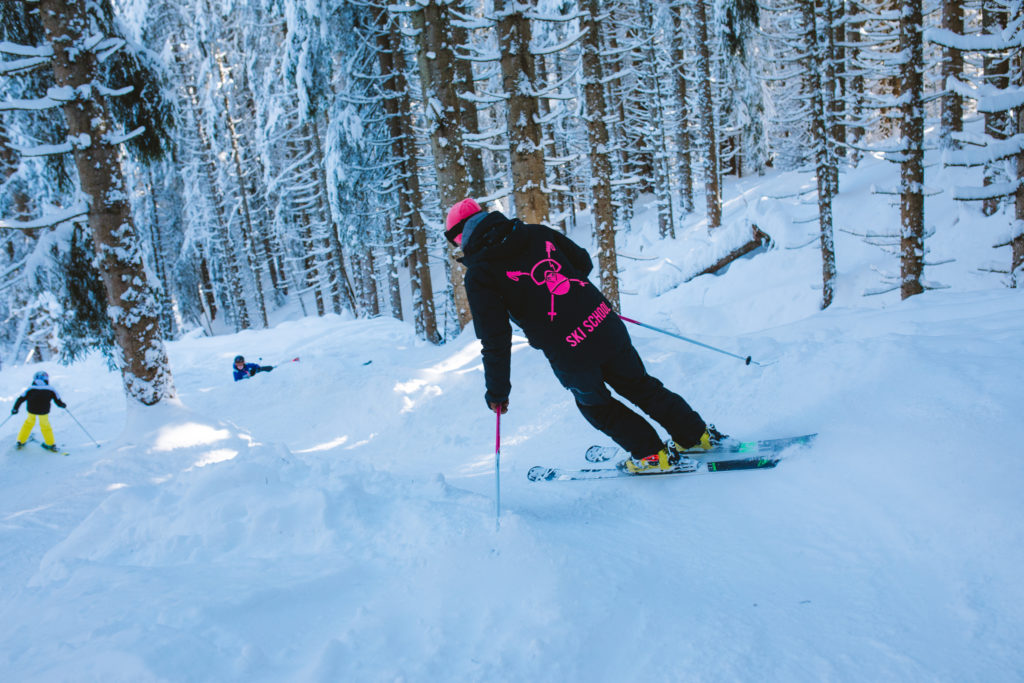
[[497, 469]]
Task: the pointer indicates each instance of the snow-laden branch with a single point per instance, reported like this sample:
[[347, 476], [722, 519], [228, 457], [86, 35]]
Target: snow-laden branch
[[121, 138], [990, 99], [38, 104], [107, 47], [485, 97], [478, 56], [534, 16], [25, 50], [44, 150], [468, 21], [48, 220], [16, 65], [991, 150], [109, 92], [983, 43], [994, 191], [485, 134], [564, 45]]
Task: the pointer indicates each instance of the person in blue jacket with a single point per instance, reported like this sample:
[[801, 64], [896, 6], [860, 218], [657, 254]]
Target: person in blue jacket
[[38, 396], [536, 277], [245, 370]]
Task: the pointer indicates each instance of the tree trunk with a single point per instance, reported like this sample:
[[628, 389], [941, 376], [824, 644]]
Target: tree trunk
[[912, 166], [145, 370], [519, 81], [435, 59], [655, 139], [371, 300], [837, 77], [1017, 242], [855, 78], [256, 265], [207, 293], [391, 270], [222, 254], [468, 115], [951, 118], [996, 76], [815, 52], [600, 164], [684, 140], [712, 191], [167, 296], [410, 230], [341, 288], [623, 194]]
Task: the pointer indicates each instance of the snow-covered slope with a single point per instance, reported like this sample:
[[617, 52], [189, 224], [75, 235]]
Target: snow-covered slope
[[335, 519]]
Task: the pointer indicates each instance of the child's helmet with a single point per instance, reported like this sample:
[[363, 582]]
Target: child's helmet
[[239, 359], [41, 377]]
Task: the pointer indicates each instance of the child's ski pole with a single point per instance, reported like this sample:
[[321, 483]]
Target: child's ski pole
[[7, 419], [83, 428], [747, 360]]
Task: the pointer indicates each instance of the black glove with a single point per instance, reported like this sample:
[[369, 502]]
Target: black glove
[[268, 368], [14, 411], [493, 406]]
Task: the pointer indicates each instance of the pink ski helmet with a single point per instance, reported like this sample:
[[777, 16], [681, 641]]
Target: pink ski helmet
[[456, 219]]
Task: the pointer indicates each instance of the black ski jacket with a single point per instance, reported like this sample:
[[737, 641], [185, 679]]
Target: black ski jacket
[[38, 397], [537, 278]]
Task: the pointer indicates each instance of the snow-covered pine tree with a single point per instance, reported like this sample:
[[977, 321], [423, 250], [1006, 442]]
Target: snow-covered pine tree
[[653, 73], [409, 231], [998, 93], [519, 84], [952, 115], [912, 155], [596, 112], [816, 78], [742, 144], [31, 183], [242, 217], [708, 137], [462, 23], [75, 37], [853, 90], [557, 51], [682, 46], [435, 58], [783, 60], [207, 216]]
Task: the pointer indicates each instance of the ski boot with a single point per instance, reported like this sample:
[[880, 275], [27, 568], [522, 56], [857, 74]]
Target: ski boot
[[50, 447], [652, 463], [18, 445], [708, 440]]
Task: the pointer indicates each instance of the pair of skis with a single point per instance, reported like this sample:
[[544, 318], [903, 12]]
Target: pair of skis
[[729, 456], [32, 439]]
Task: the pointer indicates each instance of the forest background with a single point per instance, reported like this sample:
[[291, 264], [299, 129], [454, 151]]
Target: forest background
[[215, 164]]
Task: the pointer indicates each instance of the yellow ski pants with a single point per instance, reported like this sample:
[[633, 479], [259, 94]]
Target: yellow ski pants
[[44, 427]]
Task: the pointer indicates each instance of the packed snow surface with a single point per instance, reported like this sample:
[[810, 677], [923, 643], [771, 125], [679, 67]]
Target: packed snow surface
[[336, 519]]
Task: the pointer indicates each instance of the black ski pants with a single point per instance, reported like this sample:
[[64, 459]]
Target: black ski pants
[[624, 372]]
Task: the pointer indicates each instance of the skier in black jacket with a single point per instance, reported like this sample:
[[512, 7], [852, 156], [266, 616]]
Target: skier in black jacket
[[537, 278], [38, 397]]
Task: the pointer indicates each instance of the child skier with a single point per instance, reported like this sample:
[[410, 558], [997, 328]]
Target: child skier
[[245, 370], [537, 278], [38, 397]]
